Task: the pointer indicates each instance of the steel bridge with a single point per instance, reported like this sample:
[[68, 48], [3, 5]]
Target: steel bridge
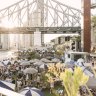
[[45, 17], [26, 16]]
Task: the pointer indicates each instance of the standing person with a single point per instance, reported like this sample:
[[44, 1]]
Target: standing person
[[38, 81], [93, 62], [80, 61], [51, 85], [26, 77]]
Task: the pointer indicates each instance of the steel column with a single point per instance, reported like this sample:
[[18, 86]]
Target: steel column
[[87, 25]]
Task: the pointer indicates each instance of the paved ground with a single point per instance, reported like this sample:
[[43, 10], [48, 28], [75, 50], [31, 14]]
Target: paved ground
[[6, 54]]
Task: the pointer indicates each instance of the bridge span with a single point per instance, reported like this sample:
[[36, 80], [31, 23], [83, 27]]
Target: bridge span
[[38, 17], [43, 30]]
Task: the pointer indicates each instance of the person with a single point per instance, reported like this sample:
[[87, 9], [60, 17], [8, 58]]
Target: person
[[19, 83], [80, 62], [51, 85], [27, 78], [93, 63], [62, 59], [45, 67], [60, 92], [8, 79], [38, 81]]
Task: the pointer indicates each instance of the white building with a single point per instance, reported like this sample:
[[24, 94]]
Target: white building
[[4, 41]]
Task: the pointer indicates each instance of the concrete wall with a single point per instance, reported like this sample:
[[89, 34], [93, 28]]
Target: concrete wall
[[5, 41], [37, 38]]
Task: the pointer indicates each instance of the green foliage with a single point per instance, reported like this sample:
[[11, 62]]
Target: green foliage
[[44, 79], [29, 55], [77, 38], [33, 55], [94, 21], [60, 50], [72, 81]]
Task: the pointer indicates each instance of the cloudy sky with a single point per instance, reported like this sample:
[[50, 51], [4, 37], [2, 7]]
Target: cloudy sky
[[73, 3]]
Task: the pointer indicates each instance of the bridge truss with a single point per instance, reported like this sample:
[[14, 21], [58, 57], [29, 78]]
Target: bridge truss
[[40, 13]]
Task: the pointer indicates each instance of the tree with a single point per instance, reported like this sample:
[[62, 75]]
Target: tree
[[60, 50], [94, 21], [72, 81]]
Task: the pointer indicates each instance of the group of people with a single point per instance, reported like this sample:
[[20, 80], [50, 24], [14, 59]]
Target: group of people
[[14, 73]]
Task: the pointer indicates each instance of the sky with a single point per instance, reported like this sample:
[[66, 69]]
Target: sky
[[73, 3], [47, 37]]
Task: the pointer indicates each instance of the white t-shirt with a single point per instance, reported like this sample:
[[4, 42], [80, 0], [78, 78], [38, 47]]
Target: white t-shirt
[[52, 84]]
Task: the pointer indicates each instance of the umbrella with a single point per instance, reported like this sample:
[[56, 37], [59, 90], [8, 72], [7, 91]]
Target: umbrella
[[45, 60], [7, 85], [69, 66], [6, 92], [31, 61], [87, 72], [72, 62], [12, 61], [30, 71], [28, 91], [55, 60], [25, 63], [1, 64], [39, 63], [6, 62], [42, 66], [80, 60], [36, 60], [49, 57], [91, 83]]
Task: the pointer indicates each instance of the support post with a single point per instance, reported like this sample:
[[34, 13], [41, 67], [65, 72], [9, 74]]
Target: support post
[[37, 38], [87, 25]]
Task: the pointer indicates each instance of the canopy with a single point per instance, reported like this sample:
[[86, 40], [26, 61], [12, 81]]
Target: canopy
[[55, 60], [31, 61], [1, 64], [36, 60], [80, 60], [30, 71], [5, 62], [28, 91], [39, 63], [91, 83], [25, 63], [7, 85], [7, 92], [45, 60], [42, 66]]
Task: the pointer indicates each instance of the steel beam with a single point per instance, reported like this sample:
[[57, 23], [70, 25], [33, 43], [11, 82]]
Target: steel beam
[[44, 30]]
